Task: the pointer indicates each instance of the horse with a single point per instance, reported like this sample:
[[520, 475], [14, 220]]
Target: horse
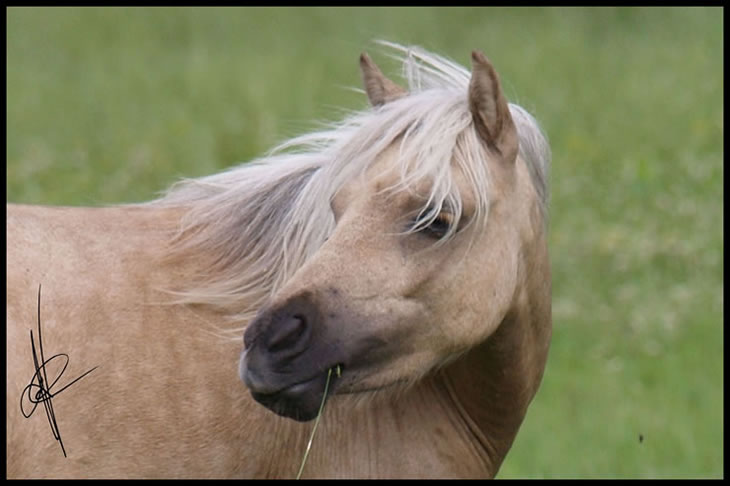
[[393, 263]]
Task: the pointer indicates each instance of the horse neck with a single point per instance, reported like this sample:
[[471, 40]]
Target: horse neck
[[493, 384]]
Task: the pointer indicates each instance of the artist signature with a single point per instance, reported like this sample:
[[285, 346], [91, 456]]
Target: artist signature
[[39, 389]]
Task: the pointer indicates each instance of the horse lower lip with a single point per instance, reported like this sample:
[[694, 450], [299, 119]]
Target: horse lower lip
[[298, 388], [301, 387], [299, 401], [288, 392]]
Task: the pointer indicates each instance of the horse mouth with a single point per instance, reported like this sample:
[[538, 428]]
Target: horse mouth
[[299, 401]]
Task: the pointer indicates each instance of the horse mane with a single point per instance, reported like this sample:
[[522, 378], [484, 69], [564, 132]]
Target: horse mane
[[258, 222]]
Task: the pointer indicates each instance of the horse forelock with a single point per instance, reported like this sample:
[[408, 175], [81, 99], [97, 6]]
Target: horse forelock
[[259, 222]]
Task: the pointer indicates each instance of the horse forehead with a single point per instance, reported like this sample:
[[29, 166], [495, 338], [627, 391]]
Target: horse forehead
[[386, 174]]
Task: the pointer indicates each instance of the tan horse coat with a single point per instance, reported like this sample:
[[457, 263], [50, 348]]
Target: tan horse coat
[[166, 399]]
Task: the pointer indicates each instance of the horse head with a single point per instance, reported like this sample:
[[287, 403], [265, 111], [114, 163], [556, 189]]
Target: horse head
[[411, 275]]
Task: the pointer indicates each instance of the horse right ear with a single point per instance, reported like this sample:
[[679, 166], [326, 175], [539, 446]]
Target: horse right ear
[[490, 110], [380, 90]]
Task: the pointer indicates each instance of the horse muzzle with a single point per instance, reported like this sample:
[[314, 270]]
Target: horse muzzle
[[299, 400], [286, 359]]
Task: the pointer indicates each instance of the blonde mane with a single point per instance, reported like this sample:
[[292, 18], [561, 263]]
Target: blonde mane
[[261, 221]]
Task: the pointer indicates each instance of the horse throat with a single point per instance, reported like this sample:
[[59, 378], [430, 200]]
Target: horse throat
[[492, 385]]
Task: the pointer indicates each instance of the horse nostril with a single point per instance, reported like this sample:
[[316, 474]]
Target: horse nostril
[[288, 333]]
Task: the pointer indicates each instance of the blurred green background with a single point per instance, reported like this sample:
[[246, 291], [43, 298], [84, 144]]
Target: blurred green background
[[112, 105]]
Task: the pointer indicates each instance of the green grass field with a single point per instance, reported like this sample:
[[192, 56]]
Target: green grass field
[[113, 105]]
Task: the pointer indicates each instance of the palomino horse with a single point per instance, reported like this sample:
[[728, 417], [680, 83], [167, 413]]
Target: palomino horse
[[404, 247]]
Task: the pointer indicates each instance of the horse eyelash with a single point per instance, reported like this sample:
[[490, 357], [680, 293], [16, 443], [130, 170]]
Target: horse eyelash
[[439, 226]]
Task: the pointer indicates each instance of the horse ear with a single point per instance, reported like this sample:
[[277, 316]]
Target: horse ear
[[490, 110], [379, 89]]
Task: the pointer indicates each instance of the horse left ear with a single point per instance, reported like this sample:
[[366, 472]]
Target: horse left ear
[[379, 89], [490, 110]]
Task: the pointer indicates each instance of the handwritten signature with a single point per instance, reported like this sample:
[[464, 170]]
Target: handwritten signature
[[39, 389]]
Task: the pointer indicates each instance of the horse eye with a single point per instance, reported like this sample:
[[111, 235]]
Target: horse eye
[[439, 226]]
